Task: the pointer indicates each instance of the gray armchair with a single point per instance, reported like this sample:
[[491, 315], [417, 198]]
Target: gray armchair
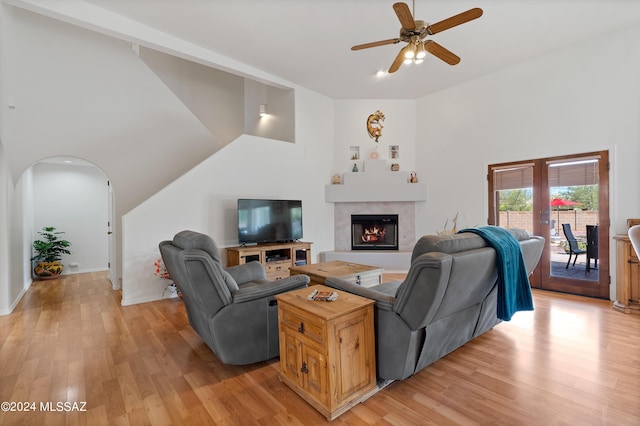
[[233, 310]]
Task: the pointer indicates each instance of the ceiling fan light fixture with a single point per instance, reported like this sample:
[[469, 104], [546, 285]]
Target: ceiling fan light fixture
[[421, 52], [412, 31], [410, 51]]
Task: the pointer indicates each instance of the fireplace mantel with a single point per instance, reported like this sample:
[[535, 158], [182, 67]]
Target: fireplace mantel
[[375, 184], [369, 193]]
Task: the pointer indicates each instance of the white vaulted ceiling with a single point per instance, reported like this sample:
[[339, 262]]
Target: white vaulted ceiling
[[307, 42]]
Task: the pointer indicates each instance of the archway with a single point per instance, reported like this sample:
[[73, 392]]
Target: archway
[[74, 196]]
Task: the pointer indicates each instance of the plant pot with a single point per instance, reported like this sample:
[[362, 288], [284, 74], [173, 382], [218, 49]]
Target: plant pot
[[48, 270]]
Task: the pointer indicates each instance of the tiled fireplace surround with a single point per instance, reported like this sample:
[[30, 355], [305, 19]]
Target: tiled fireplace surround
[[406, 221], [391, 260]]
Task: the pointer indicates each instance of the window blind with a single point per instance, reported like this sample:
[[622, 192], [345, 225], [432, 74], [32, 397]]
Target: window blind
[[513, 177], [574, 174]]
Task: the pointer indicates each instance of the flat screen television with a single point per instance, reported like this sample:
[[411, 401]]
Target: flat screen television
[[269, 221]]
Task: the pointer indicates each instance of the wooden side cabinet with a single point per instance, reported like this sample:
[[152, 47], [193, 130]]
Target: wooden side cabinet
[[628, 277], [276, 258], [327, 349]]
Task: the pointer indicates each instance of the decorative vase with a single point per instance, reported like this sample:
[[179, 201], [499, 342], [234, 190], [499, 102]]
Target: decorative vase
[[48, 270], [373, 155]]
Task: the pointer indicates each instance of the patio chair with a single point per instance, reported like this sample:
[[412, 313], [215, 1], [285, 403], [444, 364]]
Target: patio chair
[[573, 244], [592, 246]]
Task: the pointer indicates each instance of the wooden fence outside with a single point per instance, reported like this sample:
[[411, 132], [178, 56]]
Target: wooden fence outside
[[578, 220]]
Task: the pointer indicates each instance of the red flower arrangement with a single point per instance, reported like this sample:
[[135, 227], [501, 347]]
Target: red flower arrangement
[[161, 270]]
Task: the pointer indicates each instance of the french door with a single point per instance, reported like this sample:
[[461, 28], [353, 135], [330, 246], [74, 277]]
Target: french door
[[565, 200]]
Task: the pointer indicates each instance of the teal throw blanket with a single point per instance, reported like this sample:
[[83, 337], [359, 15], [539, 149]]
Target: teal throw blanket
[[514, 289]]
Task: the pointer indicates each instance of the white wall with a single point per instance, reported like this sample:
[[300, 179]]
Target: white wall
[[5, 200], [279, 123], [6, 185], [22, 213], [215, 97], [204, 199], [582, 99], [15, 227], [74, 200], [399, 128], [96, 101]]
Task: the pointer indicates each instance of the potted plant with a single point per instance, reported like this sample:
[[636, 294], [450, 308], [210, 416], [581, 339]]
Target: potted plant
[[49, 252]]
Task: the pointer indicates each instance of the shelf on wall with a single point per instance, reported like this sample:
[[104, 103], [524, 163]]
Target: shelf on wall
[[379, 192], [376, 183]]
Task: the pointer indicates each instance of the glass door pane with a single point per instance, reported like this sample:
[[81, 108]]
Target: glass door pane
[[574, 195], [513, 196]]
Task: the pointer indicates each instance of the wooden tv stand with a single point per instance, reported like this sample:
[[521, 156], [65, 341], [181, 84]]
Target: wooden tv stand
[[276, 258]]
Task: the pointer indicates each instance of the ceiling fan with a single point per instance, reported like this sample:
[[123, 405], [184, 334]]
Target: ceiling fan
[[413, 32]]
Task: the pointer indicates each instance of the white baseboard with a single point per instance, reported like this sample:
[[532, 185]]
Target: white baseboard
[[10, 309], [146, 299], [135, 301], [68, 271]]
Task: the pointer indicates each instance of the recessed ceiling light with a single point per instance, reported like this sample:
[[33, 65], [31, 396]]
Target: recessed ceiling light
[[67, 161], [381, 73]]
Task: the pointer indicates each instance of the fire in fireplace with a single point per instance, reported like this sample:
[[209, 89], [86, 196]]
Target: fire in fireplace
[[374, 232]]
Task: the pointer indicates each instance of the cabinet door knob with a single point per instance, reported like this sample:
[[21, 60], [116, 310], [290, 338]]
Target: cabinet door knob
[[301, 328], [304, 368]]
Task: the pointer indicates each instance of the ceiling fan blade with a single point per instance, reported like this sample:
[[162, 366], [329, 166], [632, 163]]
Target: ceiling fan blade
[[454, 21], [397, 62], [442, 53], [376, 44], [404, 15]]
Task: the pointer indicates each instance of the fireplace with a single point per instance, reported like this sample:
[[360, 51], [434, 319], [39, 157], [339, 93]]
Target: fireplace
[[374, 232]]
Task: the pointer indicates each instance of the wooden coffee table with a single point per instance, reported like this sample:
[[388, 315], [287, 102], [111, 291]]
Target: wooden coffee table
[[364, 275]]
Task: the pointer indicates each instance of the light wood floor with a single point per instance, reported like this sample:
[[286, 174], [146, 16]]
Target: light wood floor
[[573, 361]]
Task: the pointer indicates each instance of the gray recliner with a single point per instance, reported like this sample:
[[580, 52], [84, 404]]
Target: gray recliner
[[448, 298], [232, 309]]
